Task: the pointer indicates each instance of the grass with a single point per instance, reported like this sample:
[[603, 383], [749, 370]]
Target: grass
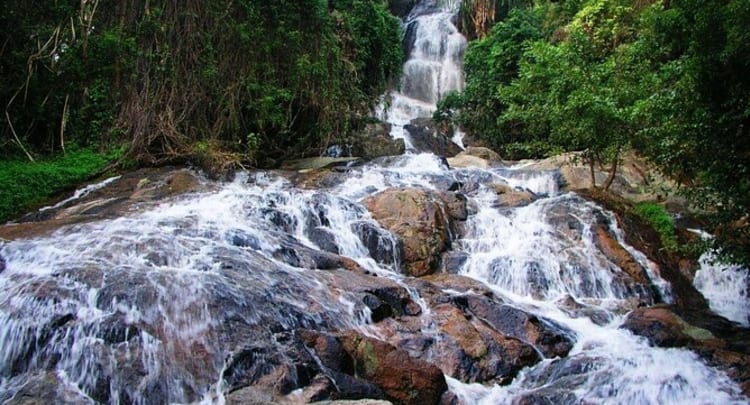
[[658, 217], [24, 184]]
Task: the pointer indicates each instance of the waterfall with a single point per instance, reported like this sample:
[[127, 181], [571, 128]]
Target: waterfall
[[726, 288], [195, 298], [433, 67], [161, 304]]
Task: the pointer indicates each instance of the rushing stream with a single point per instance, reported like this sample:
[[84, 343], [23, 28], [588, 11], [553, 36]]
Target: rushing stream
[[187, 299], [146, 308]]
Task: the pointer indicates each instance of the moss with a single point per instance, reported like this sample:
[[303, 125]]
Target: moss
[[370, 359], [658, 217]]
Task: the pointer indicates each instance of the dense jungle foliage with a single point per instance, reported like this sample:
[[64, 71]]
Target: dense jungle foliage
[[666, 77], [167, 77], [214, 82]]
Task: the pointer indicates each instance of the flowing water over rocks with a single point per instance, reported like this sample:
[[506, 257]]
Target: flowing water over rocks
[[434, 50], [267, 289], [407, 279]]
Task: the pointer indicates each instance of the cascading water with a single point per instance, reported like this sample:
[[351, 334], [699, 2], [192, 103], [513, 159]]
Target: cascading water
[[727, 289], [202, 295], [184, 300], [433, 67]]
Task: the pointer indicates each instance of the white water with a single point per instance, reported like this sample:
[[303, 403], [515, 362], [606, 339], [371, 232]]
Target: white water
[[151, 307], [433, 68], [82, 192], [179, 259], [727, 289]]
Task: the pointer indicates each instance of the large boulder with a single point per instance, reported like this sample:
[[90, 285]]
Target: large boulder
[[373, 141], [467, 161], [421, 221], [511, 197], [403, 378], [317, 163], [426, 136], [482, 153], [720, 342], [479, 338], [663, 328], [551, 339], [379, 366], [473, 351]]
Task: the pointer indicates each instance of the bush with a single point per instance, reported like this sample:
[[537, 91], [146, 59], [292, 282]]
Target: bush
[[658, 217], [25, 185]]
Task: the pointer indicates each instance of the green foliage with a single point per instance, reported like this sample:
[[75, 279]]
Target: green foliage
[[668, 78], [662, 222], [490, 64], [25, 185], [163, 75]]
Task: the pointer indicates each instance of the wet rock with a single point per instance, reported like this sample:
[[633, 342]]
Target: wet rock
[[608, 244], [270, 372], [356, 402], [283, 221], [551, 339], [510, 197], [182, 181], [316, 163], [426, 136], [240, 238], [45, 388], [576, 309], [296, 254], [456, 205], [380, 310], [469, 347], [374, 292], [555, 382], [381, 245], [453, 261], [401, 8], [316, 179], [663, 328], [721, 343], [403, 378], [418, 218], [433, 286], [154, 188], [324, 239], [116, 329], [374, 141], [473, 352]]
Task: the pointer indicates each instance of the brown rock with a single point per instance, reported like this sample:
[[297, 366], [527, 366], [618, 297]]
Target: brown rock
[[719, 342], [455, 204], [403, 378], [551, 339], [663, 328], [615, 252], [464, 161], [419, 219], [482, 153], [509, 197]]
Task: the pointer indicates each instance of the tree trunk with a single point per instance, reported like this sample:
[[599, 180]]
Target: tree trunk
[[592, 169], [612, 171]]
